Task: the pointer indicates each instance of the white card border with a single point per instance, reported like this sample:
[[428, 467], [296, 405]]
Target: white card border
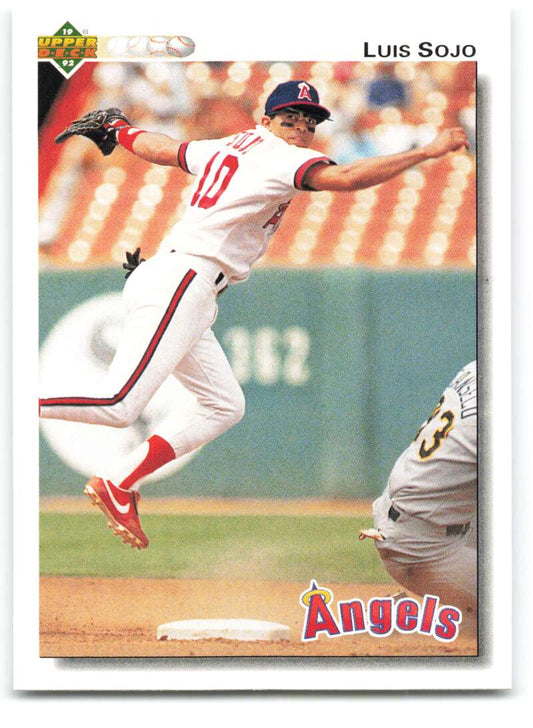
[[34, 673]]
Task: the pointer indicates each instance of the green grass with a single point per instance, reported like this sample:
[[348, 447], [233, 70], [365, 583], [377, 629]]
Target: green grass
[[236, 547]]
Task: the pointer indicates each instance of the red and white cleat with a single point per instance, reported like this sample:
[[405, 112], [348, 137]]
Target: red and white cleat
[[120, 507]]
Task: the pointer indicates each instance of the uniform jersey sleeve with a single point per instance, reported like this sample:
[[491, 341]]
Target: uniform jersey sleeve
[[194, 155], [301, 172], [296, 162]]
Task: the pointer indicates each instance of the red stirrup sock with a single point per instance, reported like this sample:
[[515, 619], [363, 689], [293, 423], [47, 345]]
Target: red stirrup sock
[[160, 452]]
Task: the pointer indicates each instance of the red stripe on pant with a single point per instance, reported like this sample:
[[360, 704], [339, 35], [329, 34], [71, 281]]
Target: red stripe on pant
[[140, 368]]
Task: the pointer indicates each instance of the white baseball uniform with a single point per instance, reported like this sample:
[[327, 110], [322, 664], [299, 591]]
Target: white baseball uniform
[[427, 512], [245, 184]]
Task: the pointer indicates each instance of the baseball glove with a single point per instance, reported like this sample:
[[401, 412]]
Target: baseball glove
[[96, 126]]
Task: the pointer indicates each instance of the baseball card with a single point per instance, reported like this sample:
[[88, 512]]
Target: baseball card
[[262, 350]]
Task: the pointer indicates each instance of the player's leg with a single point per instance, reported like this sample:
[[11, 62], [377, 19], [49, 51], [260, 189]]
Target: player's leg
[[168, 307], [219, 400], [454, 576], [218, 405], [423, 563], [450, 574]]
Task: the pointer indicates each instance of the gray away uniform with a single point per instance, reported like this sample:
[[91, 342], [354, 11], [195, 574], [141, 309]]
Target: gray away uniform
[[427, 512]]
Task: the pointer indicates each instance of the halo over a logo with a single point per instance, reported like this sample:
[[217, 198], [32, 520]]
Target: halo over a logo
[[78, 351], [315, 590]]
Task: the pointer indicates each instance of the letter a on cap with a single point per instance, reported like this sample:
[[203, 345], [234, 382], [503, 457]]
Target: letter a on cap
[[304, 92]]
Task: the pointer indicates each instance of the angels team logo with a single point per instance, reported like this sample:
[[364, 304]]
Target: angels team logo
[[305, 92], [67, 48], [379, 618]]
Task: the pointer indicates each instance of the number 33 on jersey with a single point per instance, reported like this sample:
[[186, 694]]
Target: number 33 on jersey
[[456, 408], [436, 476], [430, 434]]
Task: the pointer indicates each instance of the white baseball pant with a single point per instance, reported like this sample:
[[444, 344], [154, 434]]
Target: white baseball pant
[[170, 303]]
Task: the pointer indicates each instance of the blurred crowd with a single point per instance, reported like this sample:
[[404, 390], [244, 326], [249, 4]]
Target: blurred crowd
[[377, 108]]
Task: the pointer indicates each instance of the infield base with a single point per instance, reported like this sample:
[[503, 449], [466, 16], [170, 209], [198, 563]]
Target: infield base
[[246, 630]]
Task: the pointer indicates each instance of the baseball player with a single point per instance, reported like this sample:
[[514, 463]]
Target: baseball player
[[425, 519], [245, 183]]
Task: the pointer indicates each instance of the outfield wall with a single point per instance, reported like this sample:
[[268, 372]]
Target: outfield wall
[[339, 368]]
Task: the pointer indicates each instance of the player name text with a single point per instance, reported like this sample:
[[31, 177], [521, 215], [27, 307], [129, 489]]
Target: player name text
[[423, 50]]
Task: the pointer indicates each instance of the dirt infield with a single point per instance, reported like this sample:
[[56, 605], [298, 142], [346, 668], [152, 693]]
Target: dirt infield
[[222, 506], [118, 617], [90, 617]]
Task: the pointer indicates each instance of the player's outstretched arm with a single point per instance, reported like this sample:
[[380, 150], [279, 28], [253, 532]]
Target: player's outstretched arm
[[109, 127], [370, 172], [156, 148]]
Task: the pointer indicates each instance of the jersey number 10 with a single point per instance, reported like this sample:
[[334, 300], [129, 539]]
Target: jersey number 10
[[220, 179]]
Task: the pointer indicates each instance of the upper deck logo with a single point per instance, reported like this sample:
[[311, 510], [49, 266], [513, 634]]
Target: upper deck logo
[[67, 48]]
